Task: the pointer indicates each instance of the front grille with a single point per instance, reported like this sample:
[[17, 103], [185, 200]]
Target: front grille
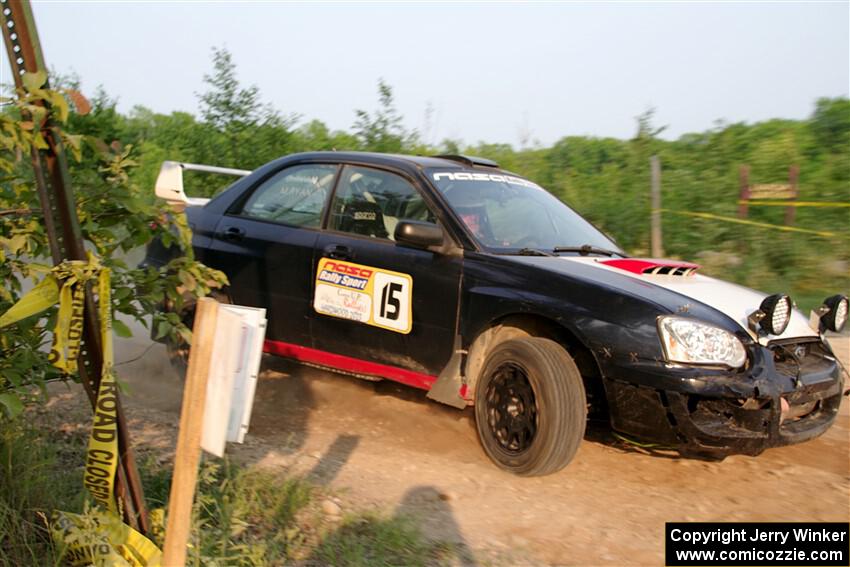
[[814, 397], [797, 359]]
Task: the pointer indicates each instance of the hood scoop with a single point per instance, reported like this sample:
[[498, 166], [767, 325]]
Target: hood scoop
[[650, 267]]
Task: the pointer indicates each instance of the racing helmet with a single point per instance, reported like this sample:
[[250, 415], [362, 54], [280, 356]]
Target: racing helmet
[[468, 203]]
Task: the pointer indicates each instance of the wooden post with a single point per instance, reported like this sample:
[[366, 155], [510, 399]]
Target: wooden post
[[793, 181], [744, 194], [655, 235], [188, 451]]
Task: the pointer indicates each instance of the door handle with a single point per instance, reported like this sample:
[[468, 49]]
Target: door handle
[[339, 252], [233, 234]]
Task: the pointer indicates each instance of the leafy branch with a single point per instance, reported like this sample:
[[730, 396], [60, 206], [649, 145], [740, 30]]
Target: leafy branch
[[115, 217]]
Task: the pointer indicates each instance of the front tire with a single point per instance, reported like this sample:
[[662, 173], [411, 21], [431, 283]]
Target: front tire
[[530, 406]]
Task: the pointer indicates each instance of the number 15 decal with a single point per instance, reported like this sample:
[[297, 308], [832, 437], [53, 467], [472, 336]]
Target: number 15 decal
[[365, 294], [392, 308], [388, 297]]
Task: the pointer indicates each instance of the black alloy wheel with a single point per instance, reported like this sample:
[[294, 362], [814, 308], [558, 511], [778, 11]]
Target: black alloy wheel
[[511, 408]]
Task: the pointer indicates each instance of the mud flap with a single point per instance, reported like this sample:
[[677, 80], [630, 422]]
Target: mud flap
[[446, 389]]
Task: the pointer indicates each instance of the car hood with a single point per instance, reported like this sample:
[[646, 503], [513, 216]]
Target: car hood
[[735, 301]]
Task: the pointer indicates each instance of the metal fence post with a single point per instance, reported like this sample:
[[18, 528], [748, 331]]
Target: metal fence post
[[656, 242], [66, 242]]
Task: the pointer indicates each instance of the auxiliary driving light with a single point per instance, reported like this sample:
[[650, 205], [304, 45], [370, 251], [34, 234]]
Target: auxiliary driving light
[[777, 313], [835, 316]]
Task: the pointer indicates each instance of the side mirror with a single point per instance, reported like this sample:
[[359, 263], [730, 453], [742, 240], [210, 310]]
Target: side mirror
[[418, 234]]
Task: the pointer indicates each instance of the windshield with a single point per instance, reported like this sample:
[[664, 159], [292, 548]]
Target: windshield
[[508, 213]]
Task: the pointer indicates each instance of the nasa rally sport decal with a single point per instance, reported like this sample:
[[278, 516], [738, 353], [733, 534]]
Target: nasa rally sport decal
[[373, 296]]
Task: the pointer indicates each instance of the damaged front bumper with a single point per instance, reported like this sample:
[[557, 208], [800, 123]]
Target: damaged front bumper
[[789, 393]]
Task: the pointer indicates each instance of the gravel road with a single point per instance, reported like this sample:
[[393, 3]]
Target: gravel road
[[386, 446]]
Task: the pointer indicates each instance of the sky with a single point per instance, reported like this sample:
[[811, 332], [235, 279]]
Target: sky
[[518, 73]]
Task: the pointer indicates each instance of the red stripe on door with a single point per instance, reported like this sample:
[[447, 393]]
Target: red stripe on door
[[349, 364]]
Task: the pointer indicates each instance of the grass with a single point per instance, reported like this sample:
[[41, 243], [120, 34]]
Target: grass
[[370, 540], [243, 515], [252, 516], [38, 474], [248, 516]]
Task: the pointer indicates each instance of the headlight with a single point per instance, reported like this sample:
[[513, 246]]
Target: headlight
[[691, 342], [836, 317]]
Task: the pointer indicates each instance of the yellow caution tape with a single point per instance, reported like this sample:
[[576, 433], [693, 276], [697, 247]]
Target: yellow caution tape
[[117, 543], [102, 453], [39, 298], [823, 233], [85, 540], [827, 204], [102, 539]]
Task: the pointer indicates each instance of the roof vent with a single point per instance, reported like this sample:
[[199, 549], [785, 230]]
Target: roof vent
[[470, 160]]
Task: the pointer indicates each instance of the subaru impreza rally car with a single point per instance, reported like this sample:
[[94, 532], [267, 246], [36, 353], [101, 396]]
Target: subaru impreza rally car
[[476, 285]]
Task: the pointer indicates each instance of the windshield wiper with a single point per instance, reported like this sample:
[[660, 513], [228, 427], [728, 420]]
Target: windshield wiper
[[586, 249], [533, 252]]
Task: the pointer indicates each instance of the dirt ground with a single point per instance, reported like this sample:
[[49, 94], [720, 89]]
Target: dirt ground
[[386, 446]]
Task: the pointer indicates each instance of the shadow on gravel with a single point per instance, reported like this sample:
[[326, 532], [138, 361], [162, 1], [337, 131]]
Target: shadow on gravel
[[397, 540], [283, 403], [428, 504], [328, 467]]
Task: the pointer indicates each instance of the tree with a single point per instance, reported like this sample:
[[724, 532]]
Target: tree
[[646, 129], [226, 105], [316, 136], [251, 133], [382, 130], [831, 124]]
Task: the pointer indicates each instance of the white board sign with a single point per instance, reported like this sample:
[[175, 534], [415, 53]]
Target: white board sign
[[237, 350]]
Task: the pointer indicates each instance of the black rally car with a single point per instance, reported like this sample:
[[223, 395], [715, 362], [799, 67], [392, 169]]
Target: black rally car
[[451, 275]]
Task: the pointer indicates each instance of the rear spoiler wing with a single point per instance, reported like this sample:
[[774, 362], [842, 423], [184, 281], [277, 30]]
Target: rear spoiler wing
[[169, 182]]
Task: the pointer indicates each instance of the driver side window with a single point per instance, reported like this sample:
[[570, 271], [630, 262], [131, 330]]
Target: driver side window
[[371, 202]]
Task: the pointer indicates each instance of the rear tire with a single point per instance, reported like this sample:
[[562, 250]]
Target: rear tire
[[530, 406]]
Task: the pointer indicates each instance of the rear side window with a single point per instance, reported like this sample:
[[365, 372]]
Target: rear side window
[[371, 202], [295, 195]]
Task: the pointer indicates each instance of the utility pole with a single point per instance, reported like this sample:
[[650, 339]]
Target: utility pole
[[655, 218], [53, 182]]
